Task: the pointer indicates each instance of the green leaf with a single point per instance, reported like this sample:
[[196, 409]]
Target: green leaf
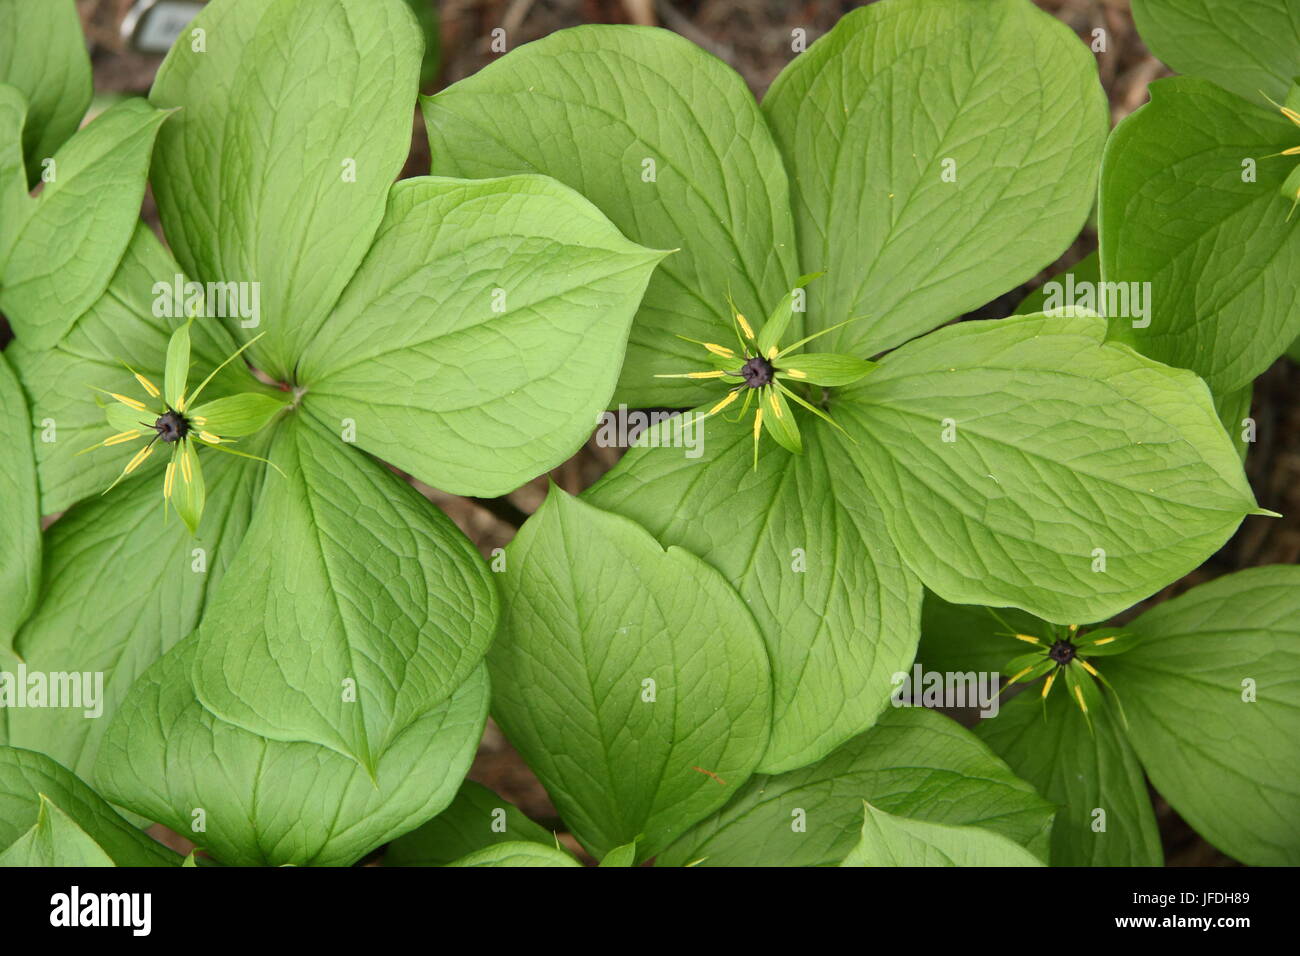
[[1293, 353], [66, 249], [120, 329], [26, 777], [268, 803], [14, 201], [825, 368], [1083, 771], [353, 608], [238, 415], [620, 97], [1233, 409], [482, 335], [176, 372], [123, 584], [1225, 763], [1219, 253], [888, 840], [1000, 88], [806, 548], [632, 679], [476, 819], [624, 855], [20, 518], [1055, 292], [967, 637], [914, 762], [1061, 448], [517, 854], [296, 121], [43, 54], [55, 840], [1244, 48], [775, 326], [190, 495]]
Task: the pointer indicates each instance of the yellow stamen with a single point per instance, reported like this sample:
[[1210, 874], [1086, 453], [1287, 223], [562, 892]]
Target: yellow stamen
[[1073, 628], [1047, 684], [744, 326], [772, 352], [149, 386], [180, 403], [138, 460], [169, 479], [1020, 675], [1078, 692], [1293, 151], [1290, 114], [1104, 640], [1088, 667], [128, 402], [210, 438], [121, 437], [187, 472], [776, 405], [794, 373], [198, 422], [731, 397], [1026, 638], [719, 350], [758, 421], [717, 374]]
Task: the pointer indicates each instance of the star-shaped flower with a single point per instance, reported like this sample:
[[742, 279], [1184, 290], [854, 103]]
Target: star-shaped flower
[[1066, 651]]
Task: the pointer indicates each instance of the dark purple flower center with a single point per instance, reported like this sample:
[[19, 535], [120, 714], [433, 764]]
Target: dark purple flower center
[[171, 426], [1062, 652], [757, 372]]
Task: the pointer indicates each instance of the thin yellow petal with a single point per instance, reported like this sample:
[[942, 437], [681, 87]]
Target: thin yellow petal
[[122, 437], [148, 386], [731, 397], [720, 350], [138, 460], [169, 479], [744, 326], [1047, 684]]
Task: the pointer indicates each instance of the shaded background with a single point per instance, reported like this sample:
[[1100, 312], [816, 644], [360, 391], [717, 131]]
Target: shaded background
[[754, 37]]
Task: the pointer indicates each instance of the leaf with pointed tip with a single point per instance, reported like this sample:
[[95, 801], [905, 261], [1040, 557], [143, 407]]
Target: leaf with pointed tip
[[43, 55], [517, 854], [1218, 252], [632, 679], [1082, 770], [25, 776], [888, 840], [1212, 700], [969, 637], [483, 333], [296, 120], [999, 93], [669, 143], [270, 803], [624, 855], [66, 248], [1065, 451], [802, 540], [914, 762], [55, 840], [352, 609]]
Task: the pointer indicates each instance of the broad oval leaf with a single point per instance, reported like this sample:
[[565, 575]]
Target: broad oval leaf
[[951, 154], [296, 120], [517, 854], [1083, 768], [669, 143], [632, 679], [52, 72], [20, 518], [1243, 47], [26, 775], [803, 542], [270, 803], [1213, 703], [66, 250], [1023, 462], [353, 608], [914, 762], [482, 334], [887, 840], [1219, 254], [55, 840]]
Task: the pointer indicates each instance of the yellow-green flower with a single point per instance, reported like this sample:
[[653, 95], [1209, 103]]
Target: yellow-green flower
[[1064, 652], [1290, 188], [763, 373], [173, 417]]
